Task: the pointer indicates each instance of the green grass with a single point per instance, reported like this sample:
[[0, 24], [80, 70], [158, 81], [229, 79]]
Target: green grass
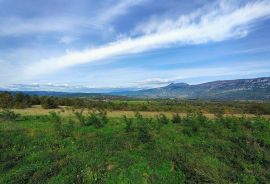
[[195, 150]]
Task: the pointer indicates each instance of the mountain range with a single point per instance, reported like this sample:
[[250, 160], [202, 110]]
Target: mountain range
[[240, 89]]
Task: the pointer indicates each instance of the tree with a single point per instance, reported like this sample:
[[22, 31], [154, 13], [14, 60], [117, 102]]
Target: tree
[[6, 100], [176, 119], [143, 135], [128, 122], [162, 119], [49, 103], [22, 101]]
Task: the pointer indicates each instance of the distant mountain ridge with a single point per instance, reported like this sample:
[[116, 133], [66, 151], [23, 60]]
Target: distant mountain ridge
[[240, 89]]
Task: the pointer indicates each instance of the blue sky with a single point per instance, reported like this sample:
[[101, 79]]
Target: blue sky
[[78, 45]]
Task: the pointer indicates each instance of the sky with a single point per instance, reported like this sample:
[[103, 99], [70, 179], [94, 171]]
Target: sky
[[89, 45]]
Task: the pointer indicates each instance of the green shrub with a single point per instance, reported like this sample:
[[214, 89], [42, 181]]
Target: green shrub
[[8, 115], [219, 113], [49, 103], [67, 129], [56, 120], [176, 119], [128, 123], [6, 100], [258, 108], [22, 101], [162, 119], [138, 116], [96, 118], [64, 130], [144, 135], [81, 118]]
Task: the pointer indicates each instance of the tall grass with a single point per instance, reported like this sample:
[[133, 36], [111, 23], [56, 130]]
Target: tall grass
[[184, 149]]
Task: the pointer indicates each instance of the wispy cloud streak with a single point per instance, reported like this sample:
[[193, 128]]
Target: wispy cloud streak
[[225, 21], [10, 26]]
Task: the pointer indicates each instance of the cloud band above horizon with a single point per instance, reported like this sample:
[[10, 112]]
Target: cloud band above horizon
[[225, 21]]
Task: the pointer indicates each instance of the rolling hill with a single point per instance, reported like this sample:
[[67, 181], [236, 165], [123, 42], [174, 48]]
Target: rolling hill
[[241, 89]]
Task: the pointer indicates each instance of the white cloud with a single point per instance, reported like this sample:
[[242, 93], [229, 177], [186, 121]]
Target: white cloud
[[118, 9], [67, 39], [221, 23], [157, 81], [154, 78], [18, 26], [10, 26], [181, 75]]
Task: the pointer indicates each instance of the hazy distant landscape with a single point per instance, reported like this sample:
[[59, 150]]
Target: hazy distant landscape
[[135, 91]]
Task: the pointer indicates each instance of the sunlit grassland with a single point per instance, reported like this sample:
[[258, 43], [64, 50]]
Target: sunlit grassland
[[194, 149], [68, 111]]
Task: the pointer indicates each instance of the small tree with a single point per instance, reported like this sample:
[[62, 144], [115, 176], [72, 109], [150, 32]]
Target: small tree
[[162, 119], [128, 123], [56, 120], [176, 119], [97, 119], [22, 101], [144, 125], [8, 115], [143, 135], [79, 115], [63, 130], [49, 103], [6, 100]]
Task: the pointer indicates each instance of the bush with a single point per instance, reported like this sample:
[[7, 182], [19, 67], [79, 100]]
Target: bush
[[96, 118], [49, 103], [67, 129], [22, 101], [143, 135], [176, 119], [6, 100], [128, 123], [56, 120], [64, 130], [80, 117], [8, 115], [138, 116], [258, 109], [162, 119]]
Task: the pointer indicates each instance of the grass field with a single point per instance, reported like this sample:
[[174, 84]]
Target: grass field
[[43, 147], [67, 111]]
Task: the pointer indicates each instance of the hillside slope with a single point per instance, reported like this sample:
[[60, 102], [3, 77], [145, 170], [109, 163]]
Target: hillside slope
[[241, 89]]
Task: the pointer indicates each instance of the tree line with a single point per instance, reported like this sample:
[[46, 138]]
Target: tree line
[[20, 101]]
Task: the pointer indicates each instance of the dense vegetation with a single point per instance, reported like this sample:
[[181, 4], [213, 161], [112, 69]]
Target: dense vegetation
[[19, 100], [92, 148]]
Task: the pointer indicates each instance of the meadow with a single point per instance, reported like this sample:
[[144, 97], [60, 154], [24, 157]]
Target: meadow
[[68, 145], [88, 140]]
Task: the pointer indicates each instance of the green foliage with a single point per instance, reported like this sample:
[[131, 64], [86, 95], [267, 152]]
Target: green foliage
[[49, 103], [56, 119], [128, 124], [8, 115], [143, 127], [54, 149], [258, 108], [79, 115], [19, 100], [144, 135], [176, 119], [62, 129], [162, 119], [97, 119], [22, 101], [219, 113], [6, 100]]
